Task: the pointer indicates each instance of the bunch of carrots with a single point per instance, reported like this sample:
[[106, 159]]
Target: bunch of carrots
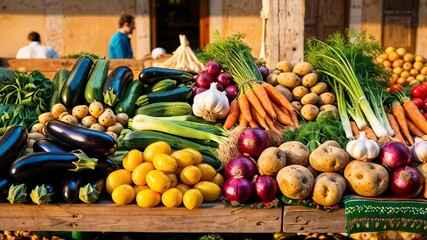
[[260, 105]]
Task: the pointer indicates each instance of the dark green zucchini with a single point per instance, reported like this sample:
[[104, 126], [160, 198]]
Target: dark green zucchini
[[164, 85], [12, 145], [58, 81], [152, 75], [175, 95], [128, 102], [72, 92], [115, 85], [97, 78]]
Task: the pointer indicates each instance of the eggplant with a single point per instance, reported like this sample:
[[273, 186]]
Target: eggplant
[[152, 75], [5, 184], [12, 145], [48, 145], [92, 187], [77, 137], [106, 165], [73, 89], [71, 187], [115, 85], [50, 165]]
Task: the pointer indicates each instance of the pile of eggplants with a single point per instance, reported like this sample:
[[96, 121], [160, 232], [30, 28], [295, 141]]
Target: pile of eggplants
[[70, 165]]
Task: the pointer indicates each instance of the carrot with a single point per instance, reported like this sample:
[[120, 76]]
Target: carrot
[[244, 107], [279, 126], [282, 117], [270, 123], [415, 130], [253, 124], [277, 97], [260, 120], [354, 129], [294, 118], [370, 133], [242, 121], [415, 115], [252, 98], [395, 126], [233, 115], [399, 112], [264, 99]]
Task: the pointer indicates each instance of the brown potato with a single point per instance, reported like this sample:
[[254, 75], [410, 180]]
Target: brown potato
[[80, 111], [289, 80], [63, 114], [366, 178], [89, 120], [296, 153], [116, 128], [326, 98], [46, 117], [299, 92], [297, 106], [96, 109], [97, 127], [70, 119], [309, 98], [107, 118], [422, 168], [329, 157], [272, 79], [319, 88], [295, 181], [38, 127], [302, 68], [285, 91], [271, 161], [309, 112], [309, 80], [112, 134], [122, 118], [284, 66], [328, 188], [57, 109]]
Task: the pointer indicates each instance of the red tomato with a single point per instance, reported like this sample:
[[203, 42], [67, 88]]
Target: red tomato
[[395, 87], [419, 91], [425, 105], [418, 101]]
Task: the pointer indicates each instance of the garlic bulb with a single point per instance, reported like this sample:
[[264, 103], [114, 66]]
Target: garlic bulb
[[419, 150], [363, 148], [211, 104]]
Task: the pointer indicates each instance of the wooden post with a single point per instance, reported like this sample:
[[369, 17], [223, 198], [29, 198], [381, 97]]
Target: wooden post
[[215, 17], [54, 25], [421, 46], [143, 32]]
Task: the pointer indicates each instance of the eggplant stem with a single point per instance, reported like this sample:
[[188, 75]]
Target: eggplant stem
[[84, 161], [88, 194]]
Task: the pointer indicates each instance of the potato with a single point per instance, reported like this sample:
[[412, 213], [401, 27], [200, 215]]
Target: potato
[[284, 66], [309, 112], [63, 114], [37, 128], [366, 178], [328, 188], [80, 111], [295, 181], [57, 109], [299, 92], [96, 109], [107, 118], [285, 91], [271, 161], [326, 98], [422, 168], [122, 118], [309, 98], [272, 79], [310, 80], [329, 157], [289, 80], [97, 127], [70, 119], [30, 143], [297, 105], [112, 134], [328, 111], [302, 68], [36, 136], [296, 153], [89, 120], [116, 128], [319, 88], [46, 117]]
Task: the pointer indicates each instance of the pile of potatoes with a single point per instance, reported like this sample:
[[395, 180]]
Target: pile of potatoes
[[94, 116], [300, 84]]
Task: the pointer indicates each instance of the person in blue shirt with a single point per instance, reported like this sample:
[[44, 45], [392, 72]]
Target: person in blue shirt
[[120, 46]]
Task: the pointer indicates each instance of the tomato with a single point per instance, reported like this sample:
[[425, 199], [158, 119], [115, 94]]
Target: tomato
[[117, 178], [156, 148], [419, 91], [395, 87], [123, 194], [140, 173], [132, 159], [418, 101], [425, 105]]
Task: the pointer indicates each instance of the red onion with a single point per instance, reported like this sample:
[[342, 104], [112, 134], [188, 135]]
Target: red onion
[[224, 79], [265, 188], [253, 141], [231, 92], [204, 79], [406, 182], [213, 68], [264, 71], [395, 155], [241, 166], [238, 189], [199, 90]]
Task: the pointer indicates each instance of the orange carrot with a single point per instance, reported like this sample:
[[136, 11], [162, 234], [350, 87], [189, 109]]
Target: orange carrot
[[257, 117], [244, 107], [270, 123], [415, 115], [233, 115], [395, 126], [370, 133], [282, 117], [354, 129], [416, 131], [264, 99], [253, 124], [242, 121], [399, 112], [294, 118], [252, 98], [277, 97]]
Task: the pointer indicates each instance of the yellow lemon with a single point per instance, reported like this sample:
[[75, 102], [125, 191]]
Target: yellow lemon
[[132, 159], [198, 157], [172, 198], [158, 181], [208, 172], [190, 175], [123, 194], [155, 148], [117, 178], [173, 178], [140, 173], [164, 163], [182, 187], [211, 192], [148, 198], [183, 158], [218, 179], [139, 188], [192, 198]]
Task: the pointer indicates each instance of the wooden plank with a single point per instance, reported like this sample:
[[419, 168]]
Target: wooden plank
[[143, 31], [421, 40], [298, 219], [107, 216]]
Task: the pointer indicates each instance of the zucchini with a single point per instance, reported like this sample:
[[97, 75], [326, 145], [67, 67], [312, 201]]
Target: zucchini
[[97, 78], [128, 102], [164, 85], [116, 83], [176, 95], [165, 109], [152, 75], [72, 92], [58, 81]]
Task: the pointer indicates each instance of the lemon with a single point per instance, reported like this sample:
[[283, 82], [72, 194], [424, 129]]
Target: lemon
[[164, 163], [208, 172], [183, 158], [182, 187], [173, 178], [198, 157], [148, 198], [192, 198], [172, 198], [211, 192], [132, 159], [218, 179], [140, 173], [156, 148], [117, 178], [158, 181], [190, 175], [123, 194]]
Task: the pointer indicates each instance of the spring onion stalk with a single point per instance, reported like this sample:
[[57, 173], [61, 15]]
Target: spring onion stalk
[[342, 110]]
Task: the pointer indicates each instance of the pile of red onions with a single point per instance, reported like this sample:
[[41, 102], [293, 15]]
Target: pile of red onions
[[406, 182], [252, 142], [395, 155]]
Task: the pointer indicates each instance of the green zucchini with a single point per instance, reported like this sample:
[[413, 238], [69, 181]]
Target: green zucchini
[[175, 95], [127, 104], [97, 78], [165, 109], [58, 81], [164, 85]]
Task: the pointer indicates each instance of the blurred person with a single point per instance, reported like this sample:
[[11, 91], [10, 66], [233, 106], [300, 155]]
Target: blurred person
[[120, 46], [35, 49]]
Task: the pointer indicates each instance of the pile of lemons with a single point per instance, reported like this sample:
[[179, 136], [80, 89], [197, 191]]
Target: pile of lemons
[[162, 175]]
